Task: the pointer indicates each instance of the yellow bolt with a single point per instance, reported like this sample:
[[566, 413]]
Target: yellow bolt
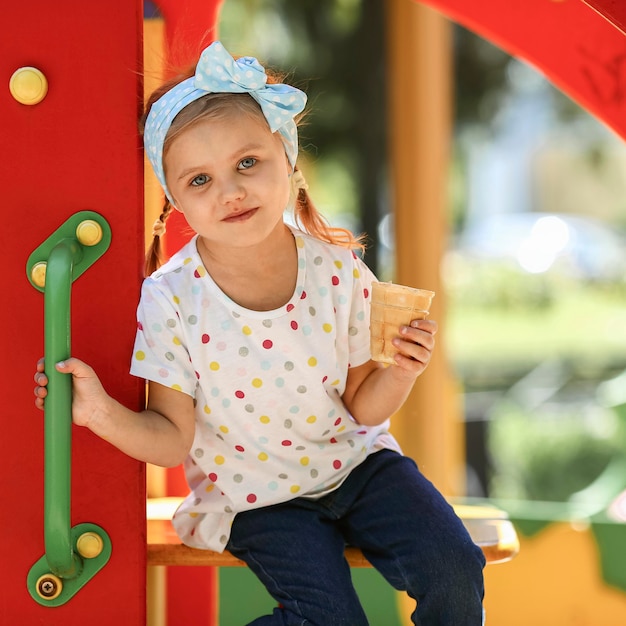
[[89, 545], [28, 85], [89, 233], [38, 274], [49, 586]]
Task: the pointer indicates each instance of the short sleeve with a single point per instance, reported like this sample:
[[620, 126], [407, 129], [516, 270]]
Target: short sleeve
[[160, 353], [359, 332]]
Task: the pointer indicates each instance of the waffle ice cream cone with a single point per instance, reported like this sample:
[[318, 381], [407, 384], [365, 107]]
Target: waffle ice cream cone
[[393, 306]]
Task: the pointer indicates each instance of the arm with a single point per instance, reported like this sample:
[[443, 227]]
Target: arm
[[374, 392], [162, 434]]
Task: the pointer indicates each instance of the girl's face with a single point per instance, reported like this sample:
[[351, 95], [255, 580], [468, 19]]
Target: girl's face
[[230, 178]]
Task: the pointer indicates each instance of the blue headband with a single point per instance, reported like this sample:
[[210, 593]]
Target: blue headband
[[218, 72]]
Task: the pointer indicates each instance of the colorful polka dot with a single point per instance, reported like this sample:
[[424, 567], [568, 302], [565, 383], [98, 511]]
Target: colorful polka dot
[[261, 358]]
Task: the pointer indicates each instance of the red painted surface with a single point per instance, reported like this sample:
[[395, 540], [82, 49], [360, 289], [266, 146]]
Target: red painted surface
[[190, 27], [580, 49], [76, 150], [613, 10]]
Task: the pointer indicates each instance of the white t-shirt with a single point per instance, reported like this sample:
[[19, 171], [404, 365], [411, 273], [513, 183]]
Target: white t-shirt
[[267, 385]]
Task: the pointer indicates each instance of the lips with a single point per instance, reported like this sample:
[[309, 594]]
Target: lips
[[240, 216]]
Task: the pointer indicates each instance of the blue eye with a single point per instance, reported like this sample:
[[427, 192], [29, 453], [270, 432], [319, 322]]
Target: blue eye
[[198, 181], [247, 163]]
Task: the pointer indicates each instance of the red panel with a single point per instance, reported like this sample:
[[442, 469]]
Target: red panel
[[76, 150], [190, 26], [579, 50], [612, 10]]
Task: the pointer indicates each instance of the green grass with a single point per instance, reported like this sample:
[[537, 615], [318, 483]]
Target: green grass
[[578, 323]]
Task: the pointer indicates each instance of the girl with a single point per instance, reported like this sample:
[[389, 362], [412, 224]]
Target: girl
[[254, 339]]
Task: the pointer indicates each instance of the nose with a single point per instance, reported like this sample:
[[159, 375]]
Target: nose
[[231, 189]]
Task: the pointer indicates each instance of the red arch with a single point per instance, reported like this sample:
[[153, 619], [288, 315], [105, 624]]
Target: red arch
[[579, 46]]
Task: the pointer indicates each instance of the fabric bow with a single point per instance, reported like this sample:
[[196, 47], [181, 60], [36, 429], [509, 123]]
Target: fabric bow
[[218, 72]]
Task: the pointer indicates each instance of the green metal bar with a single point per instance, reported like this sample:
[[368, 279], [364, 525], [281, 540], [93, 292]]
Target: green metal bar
[[58, 410], [71, 557]]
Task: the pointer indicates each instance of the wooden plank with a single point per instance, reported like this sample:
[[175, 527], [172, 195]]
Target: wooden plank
[[489, 528], [176, 554]]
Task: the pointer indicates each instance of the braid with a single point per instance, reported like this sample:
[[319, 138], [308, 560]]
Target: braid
[[154, 254]]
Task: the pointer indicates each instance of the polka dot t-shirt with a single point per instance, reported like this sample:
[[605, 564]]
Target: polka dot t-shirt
[[267, 385]]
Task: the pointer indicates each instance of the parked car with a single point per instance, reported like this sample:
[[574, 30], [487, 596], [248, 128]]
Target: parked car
[[578, 246]]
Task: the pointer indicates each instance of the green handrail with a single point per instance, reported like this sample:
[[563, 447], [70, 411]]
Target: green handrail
[[72, 555], [58, 410]]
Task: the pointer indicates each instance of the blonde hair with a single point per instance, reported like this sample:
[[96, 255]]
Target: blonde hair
[[217, 106]]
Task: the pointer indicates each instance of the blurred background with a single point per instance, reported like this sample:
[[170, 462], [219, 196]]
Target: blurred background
[[535, 268]]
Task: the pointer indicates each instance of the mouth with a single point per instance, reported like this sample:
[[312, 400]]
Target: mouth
[[240, 216]]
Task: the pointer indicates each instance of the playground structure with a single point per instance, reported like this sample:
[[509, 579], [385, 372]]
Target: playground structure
[[70, 103]]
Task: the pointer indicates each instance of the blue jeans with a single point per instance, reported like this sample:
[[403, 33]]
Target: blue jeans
[[404, 527]]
